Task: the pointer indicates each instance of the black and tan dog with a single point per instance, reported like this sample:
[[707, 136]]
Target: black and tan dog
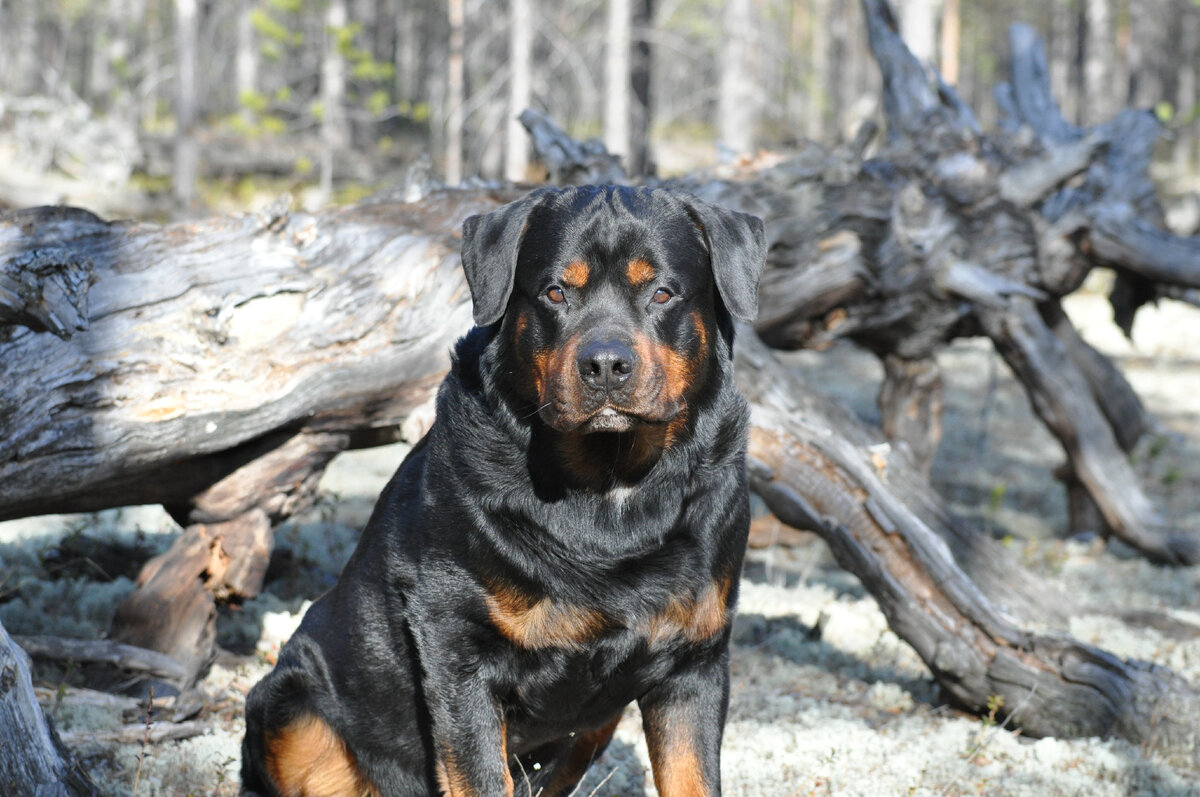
[[568, 537]]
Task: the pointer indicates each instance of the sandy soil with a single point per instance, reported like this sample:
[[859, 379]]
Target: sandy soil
[[825, 700]]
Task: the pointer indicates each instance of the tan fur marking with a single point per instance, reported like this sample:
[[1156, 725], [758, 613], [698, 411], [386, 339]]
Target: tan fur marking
[[307, 759], [694, 618], [452, 781], [673, 368], [677, 769], [540, 622], [639, 272], [576, 274], [702, 334], [555, 377]]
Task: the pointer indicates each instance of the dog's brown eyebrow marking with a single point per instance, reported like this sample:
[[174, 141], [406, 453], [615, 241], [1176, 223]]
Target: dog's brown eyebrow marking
[[639, 272], [308, 757], [576, 274], [540, 622]]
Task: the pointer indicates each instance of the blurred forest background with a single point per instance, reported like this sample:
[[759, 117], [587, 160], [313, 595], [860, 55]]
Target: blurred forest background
[[157, 107]]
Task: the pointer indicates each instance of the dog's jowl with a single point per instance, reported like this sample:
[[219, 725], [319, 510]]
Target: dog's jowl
[[565, 540]]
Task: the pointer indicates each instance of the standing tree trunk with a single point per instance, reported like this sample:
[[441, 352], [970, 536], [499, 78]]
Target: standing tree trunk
[[1064, 56], [737, 109], [642, 113], [1150, 55], [950, 40], [516, 142], [334, 129], [186, 148], [1100, 56], [617, 54], [1185, 152], [246, 59], [455, 95], [918, 26]]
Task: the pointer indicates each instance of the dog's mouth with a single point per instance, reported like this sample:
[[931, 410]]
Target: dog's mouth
[[609, 419], [605, 418]]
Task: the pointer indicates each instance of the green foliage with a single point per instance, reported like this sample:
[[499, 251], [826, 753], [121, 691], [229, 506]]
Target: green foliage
[[1165, 111], [996, 497], [377, 103], [253, 101], [268, 26], [418, 112]]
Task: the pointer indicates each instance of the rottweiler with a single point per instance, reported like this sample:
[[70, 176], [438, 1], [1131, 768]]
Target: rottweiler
[[565, 540]]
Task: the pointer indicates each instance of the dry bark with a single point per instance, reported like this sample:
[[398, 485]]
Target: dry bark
[[33, 759], [819, 469], [948, 232], [215, 367], [890, 530]]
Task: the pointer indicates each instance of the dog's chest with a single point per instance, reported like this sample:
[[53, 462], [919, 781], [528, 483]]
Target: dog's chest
[[557, 691]]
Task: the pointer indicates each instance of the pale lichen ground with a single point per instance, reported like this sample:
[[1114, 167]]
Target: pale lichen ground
[[850, 710]]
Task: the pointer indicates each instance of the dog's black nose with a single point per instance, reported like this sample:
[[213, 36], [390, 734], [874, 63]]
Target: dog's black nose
[[605, 364]]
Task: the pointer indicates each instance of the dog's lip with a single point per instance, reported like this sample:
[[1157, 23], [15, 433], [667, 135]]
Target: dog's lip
[[617, 419], [609, 419]]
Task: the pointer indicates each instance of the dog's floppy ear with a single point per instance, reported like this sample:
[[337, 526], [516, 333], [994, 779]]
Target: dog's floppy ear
[[737, 247], [489, 255]]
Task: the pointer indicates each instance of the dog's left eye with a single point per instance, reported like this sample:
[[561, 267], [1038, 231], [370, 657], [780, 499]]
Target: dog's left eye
[[556, 295], [661, 296]]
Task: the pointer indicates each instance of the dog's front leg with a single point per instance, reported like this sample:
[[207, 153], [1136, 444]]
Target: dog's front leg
[[471, 743], [683, 718]]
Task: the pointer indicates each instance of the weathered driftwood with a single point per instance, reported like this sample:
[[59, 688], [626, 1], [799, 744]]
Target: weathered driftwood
[[33, 759], [217, 366], [137, 733], [101, 651], [819, 469], [904, 582], [947, 231]]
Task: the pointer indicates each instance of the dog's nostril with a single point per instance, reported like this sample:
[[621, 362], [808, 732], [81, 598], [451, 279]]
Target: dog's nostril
[[606, 364]]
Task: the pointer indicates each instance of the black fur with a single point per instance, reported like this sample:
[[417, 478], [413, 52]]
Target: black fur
[[629, 522]]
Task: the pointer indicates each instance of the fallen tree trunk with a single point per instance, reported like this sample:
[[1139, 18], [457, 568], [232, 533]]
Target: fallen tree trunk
[[814, 458], [33, 759], [215, 368], [818, 469], [948, 232]]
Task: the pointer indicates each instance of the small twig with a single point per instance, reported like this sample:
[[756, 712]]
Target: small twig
[[137, 775], [596, 790], [984, 738]]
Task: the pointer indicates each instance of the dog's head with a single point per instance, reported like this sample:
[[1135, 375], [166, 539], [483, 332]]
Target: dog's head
[[611, 302]]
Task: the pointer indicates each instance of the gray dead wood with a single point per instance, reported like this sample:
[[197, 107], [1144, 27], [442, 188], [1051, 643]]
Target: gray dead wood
[[137, 733], [217, 354], [231, 498], [819, 469], [33, 759], [215, 368], [947, 232], [103, 651]]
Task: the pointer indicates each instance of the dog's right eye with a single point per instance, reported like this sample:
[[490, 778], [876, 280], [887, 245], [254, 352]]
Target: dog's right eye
[[556, 295]]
